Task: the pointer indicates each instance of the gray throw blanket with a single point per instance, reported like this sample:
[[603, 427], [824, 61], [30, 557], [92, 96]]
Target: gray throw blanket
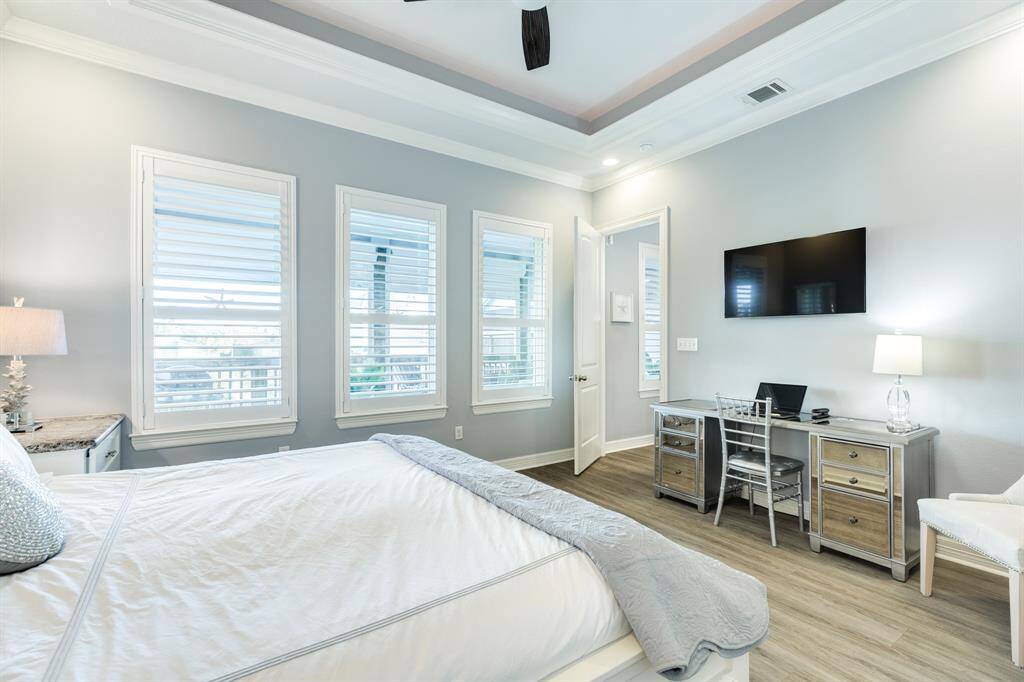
[[681, 604]]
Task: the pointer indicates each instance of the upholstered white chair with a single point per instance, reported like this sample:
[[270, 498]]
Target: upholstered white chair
[[990, 524]]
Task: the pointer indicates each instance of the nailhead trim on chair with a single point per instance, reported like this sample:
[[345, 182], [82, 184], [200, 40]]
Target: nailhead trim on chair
[[976, 549]]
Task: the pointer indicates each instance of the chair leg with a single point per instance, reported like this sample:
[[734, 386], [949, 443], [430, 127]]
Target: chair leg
[[750, 498], [800, 500], [927, 558], [721, 494], [771, 510], [1016, 606]]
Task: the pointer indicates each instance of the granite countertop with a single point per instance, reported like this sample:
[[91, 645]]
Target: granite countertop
[[68, 433]]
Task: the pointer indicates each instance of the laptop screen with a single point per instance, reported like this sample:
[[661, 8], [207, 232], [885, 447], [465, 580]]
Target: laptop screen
[[785, 397]]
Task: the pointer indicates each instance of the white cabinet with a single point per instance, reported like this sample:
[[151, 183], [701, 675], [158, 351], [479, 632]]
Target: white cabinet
[[75, 445]]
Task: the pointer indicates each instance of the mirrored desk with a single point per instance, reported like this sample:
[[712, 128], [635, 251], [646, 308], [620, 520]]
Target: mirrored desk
[[864, 481]]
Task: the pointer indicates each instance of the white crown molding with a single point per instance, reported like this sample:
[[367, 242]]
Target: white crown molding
[[38, 35], [209, 20], [907, 60], [301, 50]]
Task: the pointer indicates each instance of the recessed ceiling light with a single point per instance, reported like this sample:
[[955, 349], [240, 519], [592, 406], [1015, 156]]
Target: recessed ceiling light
[[610, 161]]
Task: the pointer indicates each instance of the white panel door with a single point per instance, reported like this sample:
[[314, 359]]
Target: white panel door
[[588, 318]]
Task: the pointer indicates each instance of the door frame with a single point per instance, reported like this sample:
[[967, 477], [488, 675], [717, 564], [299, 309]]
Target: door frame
[[661, 217]]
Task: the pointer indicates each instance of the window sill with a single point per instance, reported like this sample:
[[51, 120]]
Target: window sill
[[512, 405], [151, 440], [354, 420]]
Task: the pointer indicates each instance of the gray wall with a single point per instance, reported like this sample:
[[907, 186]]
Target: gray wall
[[627, 414], [932, 162], [67, 126]]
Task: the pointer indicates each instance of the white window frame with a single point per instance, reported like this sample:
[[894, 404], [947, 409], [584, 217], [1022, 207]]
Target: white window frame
[[509, 400], [391, 410], [215, 426], [646, 250]]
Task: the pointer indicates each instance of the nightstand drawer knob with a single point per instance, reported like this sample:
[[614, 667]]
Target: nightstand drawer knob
[[853, 520], [852, 454], [853, 480], [112, 454]]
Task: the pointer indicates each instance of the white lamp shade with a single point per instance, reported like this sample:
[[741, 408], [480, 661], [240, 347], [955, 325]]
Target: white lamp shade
[[898, 354], [32, 331]]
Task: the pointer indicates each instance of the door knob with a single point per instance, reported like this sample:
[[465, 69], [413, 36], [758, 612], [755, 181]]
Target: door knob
[[578, 377]]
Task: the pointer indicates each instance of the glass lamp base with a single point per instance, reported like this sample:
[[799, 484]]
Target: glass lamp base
[[898, 402]]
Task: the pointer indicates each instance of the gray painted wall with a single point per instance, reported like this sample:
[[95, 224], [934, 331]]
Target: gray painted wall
[[627, 414], [67, 126], [932, 162]]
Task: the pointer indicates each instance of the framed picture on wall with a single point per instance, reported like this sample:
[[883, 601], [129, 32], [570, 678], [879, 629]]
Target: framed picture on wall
[[622, 307]]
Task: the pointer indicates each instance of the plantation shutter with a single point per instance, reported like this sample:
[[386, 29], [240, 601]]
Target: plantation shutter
[[393, 304], [218, 295], [650, 329], [514, 311]]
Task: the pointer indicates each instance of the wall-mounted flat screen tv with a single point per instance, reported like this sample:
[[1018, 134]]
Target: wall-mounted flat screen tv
[[810, 276]]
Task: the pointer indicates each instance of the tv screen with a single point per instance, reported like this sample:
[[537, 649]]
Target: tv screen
[[810, 276]]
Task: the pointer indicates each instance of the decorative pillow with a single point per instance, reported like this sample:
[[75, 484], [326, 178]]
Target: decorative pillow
[[14, 454], [31, 521]]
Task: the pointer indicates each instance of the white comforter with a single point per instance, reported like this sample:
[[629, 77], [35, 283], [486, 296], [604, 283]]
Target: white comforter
[[345, 562]]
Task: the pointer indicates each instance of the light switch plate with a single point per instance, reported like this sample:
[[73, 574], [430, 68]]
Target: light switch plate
[[686, 344], [458, 432]]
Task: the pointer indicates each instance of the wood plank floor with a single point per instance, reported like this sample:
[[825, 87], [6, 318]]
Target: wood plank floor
[[833, 617]]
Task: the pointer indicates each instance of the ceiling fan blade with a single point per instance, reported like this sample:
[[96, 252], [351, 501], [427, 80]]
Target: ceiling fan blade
[[536, 38]]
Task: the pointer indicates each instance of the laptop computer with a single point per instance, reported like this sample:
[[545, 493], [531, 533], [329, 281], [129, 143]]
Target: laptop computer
[[787, 399]]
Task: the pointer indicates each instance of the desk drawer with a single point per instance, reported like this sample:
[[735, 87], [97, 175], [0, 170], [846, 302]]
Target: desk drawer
[[856, 521], [684, 444], [677, 422], [855, 454], [855, 481], [679, 473]]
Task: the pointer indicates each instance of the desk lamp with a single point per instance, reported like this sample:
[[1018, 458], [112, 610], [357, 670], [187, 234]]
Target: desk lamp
[[898, 354]]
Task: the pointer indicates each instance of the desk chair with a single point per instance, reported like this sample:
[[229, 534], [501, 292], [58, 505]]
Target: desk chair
[[752, 464], [990, 524]]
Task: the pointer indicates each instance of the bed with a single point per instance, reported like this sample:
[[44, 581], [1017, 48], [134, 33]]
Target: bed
[[342, 562]]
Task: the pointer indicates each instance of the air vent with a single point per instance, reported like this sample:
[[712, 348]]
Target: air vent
[[766, 92]]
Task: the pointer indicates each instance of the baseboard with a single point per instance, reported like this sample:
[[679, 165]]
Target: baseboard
[[949, 549], [537, 459], [786, 507], [627, 443]]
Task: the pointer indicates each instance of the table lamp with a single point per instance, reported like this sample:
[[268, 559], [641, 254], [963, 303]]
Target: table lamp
[[26, 331], [898, 354]]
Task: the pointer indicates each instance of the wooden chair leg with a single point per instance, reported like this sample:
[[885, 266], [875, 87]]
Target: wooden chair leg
[[927, 558], [1016, 606]]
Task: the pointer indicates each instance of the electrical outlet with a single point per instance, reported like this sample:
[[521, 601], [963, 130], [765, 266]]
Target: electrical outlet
[[284, 448], [686, 344], [458, 432]]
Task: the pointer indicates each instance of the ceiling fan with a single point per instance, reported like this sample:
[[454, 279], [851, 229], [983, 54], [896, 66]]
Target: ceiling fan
[[536, 33]]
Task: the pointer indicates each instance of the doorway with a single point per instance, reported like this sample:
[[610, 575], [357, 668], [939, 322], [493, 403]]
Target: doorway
[[629, 318]]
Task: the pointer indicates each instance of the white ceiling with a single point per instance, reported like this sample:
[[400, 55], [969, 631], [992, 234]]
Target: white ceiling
[[217, 49], [602, 53]]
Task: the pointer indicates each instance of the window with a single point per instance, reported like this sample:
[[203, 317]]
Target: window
[[512, 314], [213, 311], [391, 302], [649, 332]]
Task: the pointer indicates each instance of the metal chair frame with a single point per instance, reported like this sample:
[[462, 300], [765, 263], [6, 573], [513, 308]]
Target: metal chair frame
[[733, 414]]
